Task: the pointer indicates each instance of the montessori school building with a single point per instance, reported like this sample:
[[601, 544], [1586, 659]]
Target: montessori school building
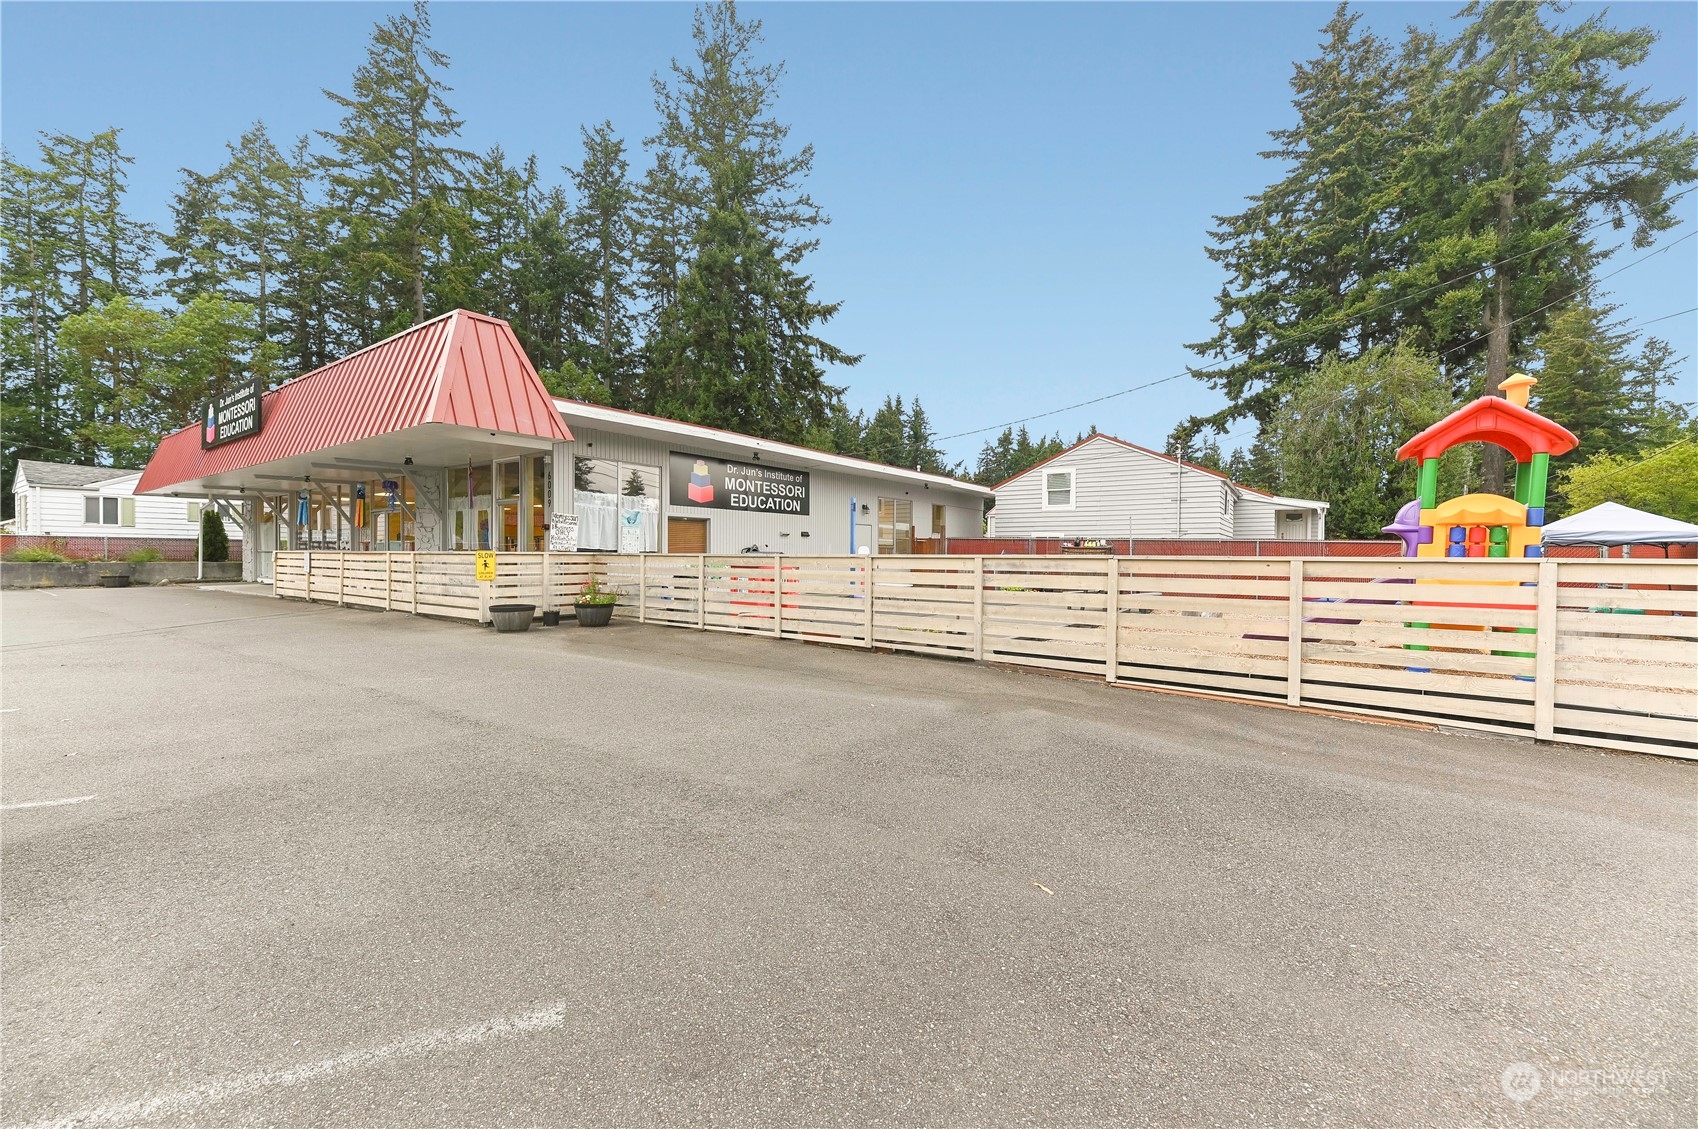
[[443, 438]]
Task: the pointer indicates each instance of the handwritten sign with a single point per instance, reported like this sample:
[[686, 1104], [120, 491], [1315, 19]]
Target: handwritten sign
[[563, 533], [486, 565]]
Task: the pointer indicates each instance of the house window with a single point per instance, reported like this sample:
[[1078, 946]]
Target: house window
[[100, 511], [192, 513], [1058, 489]]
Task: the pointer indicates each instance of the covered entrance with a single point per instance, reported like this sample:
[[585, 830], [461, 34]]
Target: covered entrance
[[439, 438]]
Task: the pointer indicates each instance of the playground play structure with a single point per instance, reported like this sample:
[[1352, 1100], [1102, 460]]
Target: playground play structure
[[1483, 525]]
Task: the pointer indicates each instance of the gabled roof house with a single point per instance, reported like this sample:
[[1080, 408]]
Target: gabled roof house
[[1106, 487]]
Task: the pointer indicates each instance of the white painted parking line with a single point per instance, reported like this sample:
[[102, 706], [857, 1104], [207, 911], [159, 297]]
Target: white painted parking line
[[179, 1103], [45, 803]]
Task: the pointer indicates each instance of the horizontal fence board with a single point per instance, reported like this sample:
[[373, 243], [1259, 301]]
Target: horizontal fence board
[[1625, 649]]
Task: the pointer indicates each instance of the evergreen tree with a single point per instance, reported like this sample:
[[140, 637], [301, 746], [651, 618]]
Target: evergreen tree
[[734, 350], [1014, 451], [739, 340], [214, 541], [195, 256], [1307, 262], [602, 229], [1535, 138], [393, 180], [32, 301]]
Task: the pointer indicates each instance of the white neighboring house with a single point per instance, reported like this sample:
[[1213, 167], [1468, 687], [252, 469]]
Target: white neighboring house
[[69, 500], [1107, 487]]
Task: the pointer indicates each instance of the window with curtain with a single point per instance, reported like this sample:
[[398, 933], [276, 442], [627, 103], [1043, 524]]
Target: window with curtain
[[618, 505]]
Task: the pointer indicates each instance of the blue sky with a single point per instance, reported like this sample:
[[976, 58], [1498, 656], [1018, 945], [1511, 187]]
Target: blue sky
[[1019, 193]]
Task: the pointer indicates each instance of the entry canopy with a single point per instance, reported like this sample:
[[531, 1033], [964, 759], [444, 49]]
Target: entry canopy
[[1614, 524], [452, 390]]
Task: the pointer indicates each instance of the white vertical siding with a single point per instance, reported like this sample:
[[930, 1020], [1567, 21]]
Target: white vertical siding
[[729, 531], [1118, 492]]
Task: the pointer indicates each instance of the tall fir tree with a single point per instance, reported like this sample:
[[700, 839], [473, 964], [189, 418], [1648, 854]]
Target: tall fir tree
[[740, 341], [394, 181], [603, 234], [1307, 262], [1534, 137]]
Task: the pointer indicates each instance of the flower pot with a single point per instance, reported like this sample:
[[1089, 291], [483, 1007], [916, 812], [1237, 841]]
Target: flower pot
[[512, 617], [594, 615], [551, 617], [114, 580]]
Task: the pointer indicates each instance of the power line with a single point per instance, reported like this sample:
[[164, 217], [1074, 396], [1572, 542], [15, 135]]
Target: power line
[[1356, 314]]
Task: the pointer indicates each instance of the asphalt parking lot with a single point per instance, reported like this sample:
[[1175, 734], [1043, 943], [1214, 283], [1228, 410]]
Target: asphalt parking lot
[[339, 868]]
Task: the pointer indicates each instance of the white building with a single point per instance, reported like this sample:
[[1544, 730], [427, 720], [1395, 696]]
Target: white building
[[1109, 488], [443, 438], [71, 500]]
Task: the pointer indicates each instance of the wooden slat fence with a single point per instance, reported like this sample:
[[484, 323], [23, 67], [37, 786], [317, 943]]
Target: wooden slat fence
[[1587, 651]]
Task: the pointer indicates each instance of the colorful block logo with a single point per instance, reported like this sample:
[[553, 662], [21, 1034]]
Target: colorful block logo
[[211, 423], [701, 486]]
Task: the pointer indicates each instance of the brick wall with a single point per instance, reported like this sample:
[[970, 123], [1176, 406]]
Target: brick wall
[[109, 548]]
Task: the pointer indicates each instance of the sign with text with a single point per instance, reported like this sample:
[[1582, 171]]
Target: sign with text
[[701, 483], [235, 415], [563, 533], [486, 565]]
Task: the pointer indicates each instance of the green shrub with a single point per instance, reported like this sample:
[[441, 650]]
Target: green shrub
[[215, 543], [39, 556], [144, 556]]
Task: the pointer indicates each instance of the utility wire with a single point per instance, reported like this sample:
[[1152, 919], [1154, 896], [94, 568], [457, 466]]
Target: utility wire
[[1355, 314]]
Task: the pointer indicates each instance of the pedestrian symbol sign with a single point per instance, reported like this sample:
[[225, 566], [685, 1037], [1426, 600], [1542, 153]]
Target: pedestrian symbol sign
[[486, 565]]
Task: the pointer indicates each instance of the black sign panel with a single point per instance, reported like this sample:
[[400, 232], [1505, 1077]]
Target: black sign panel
[[701, 483], [235, 415]]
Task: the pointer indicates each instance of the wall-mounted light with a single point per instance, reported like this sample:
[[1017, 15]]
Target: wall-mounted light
[[408, 461], [864, 508], [804, 533]]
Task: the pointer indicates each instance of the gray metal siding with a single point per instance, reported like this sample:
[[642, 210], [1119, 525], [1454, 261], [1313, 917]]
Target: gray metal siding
[[729, 531], [1118, 492]]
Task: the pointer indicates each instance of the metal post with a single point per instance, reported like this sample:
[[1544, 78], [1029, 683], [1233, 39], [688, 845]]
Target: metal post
[[200, 546], [1545, 653], [1294, 635], [1111, 650], [778, 596]]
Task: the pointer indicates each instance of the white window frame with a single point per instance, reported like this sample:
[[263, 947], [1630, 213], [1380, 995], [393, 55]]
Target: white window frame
[[1072, 487], [101, 500]]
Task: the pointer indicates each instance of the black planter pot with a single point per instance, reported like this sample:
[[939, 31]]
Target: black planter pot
[[512, 617], [551, 618], [115, 581], [594, 615]]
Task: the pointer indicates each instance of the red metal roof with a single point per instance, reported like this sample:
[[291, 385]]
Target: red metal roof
[[1492, 419], [461, 368]]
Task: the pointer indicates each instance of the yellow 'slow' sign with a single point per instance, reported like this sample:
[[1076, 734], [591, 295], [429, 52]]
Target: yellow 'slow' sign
[[486, 565]]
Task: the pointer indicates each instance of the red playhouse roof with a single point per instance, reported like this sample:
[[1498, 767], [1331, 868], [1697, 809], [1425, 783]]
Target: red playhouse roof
[[1492, 419], [461, 369]]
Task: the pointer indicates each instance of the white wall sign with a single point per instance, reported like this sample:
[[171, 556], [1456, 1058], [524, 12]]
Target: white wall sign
[[563, 533]]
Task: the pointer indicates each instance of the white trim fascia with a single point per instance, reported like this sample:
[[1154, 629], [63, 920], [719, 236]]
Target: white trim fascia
[[614, 419]]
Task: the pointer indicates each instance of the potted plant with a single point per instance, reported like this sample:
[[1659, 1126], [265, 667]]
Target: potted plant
[[595, 605]]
